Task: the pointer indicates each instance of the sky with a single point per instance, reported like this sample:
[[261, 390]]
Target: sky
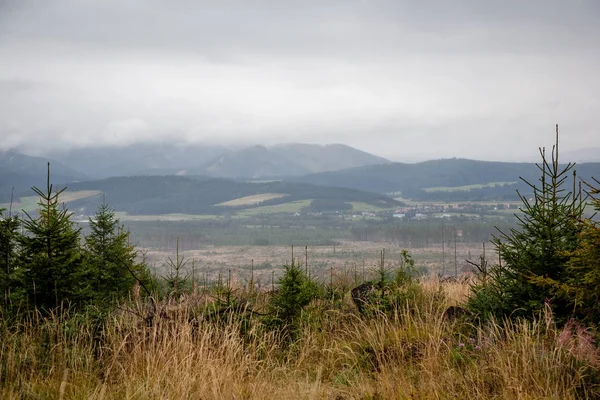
[[406, 80]]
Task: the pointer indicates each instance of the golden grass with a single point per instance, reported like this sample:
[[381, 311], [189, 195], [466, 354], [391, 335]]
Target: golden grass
[[411, 353]]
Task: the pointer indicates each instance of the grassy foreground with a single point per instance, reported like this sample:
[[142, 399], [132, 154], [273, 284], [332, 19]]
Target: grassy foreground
[[413, 352]]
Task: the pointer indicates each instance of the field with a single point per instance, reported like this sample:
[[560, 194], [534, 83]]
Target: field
[[290, 207], [468, 187], [358, 206], [30, 203], [123, 216], [251, 200]]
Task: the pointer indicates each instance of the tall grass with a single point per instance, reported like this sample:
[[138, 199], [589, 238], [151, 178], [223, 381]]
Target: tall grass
[[411, 352]]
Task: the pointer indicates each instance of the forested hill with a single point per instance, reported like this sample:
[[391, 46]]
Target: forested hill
[[21, 172], [411, 179], [201, 195]]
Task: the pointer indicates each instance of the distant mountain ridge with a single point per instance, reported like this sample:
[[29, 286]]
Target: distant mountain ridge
[[587, 155], [294, 163], [214, 160], [21, 172], [287, 160], [403, 177], [138, 159]]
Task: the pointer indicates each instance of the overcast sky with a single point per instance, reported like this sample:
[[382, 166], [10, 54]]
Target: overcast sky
[[407, 80]]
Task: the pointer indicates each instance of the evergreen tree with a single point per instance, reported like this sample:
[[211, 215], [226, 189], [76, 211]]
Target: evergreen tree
[[296, 290], [9, 226], [50, 269], [177, 280], [539, 248], [579, 289], [111, 260]]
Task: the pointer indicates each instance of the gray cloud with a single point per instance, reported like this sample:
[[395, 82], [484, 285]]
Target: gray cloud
[[404, 79]]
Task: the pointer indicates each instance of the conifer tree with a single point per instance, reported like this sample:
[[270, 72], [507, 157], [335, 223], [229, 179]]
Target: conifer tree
[[50, 270], [9, 226], [548, 230], [579, 287], [296, 290], [111, 260]]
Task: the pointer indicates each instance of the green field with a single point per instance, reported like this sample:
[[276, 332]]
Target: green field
[[123, 216], [30, 203], [291, 207], [358, 206], [467, 187], [251, 200]]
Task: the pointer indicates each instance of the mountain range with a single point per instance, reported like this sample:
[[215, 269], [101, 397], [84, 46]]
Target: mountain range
[[330, 166], [413, 180], [214, 160], [21, 172]]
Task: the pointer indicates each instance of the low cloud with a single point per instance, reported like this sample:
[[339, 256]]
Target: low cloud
[[401, 79]]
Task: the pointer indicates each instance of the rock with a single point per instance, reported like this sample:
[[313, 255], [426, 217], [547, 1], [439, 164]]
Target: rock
[[360, 295]]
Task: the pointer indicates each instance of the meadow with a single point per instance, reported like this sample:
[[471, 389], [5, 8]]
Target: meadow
[[411, 351], [468, 187]]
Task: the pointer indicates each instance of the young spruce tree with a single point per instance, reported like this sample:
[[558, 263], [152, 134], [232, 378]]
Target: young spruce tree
[[50, 271], [9, 226], [548, 231], [579, 287], [111, 260]]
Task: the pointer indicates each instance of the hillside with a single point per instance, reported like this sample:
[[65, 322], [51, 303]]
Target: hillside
[[201, 195], [588, 154], [138, 159], [22, 172], [253, 162], [412, 179], [288, 160], [214, 160]]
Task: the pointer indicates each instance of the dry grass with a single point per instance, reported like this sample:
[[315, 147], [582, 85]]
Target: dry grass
[[411, 353]]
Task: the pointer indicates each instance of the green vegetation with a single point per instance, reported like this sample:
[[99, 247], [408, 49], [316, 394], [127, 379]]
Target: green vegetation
[[548, 261], [46, 268], [30, 203], [467, 187], [151, 195], [51, 267], [290, 207], [412, 179], [251, 200], [111, 260]]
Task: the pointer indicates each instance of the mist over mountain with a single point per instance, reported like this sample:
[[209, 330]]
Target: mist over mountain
[[22, 171], [258, 161], [287, 160], [334, 165], [585, 155], [138, 159]]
